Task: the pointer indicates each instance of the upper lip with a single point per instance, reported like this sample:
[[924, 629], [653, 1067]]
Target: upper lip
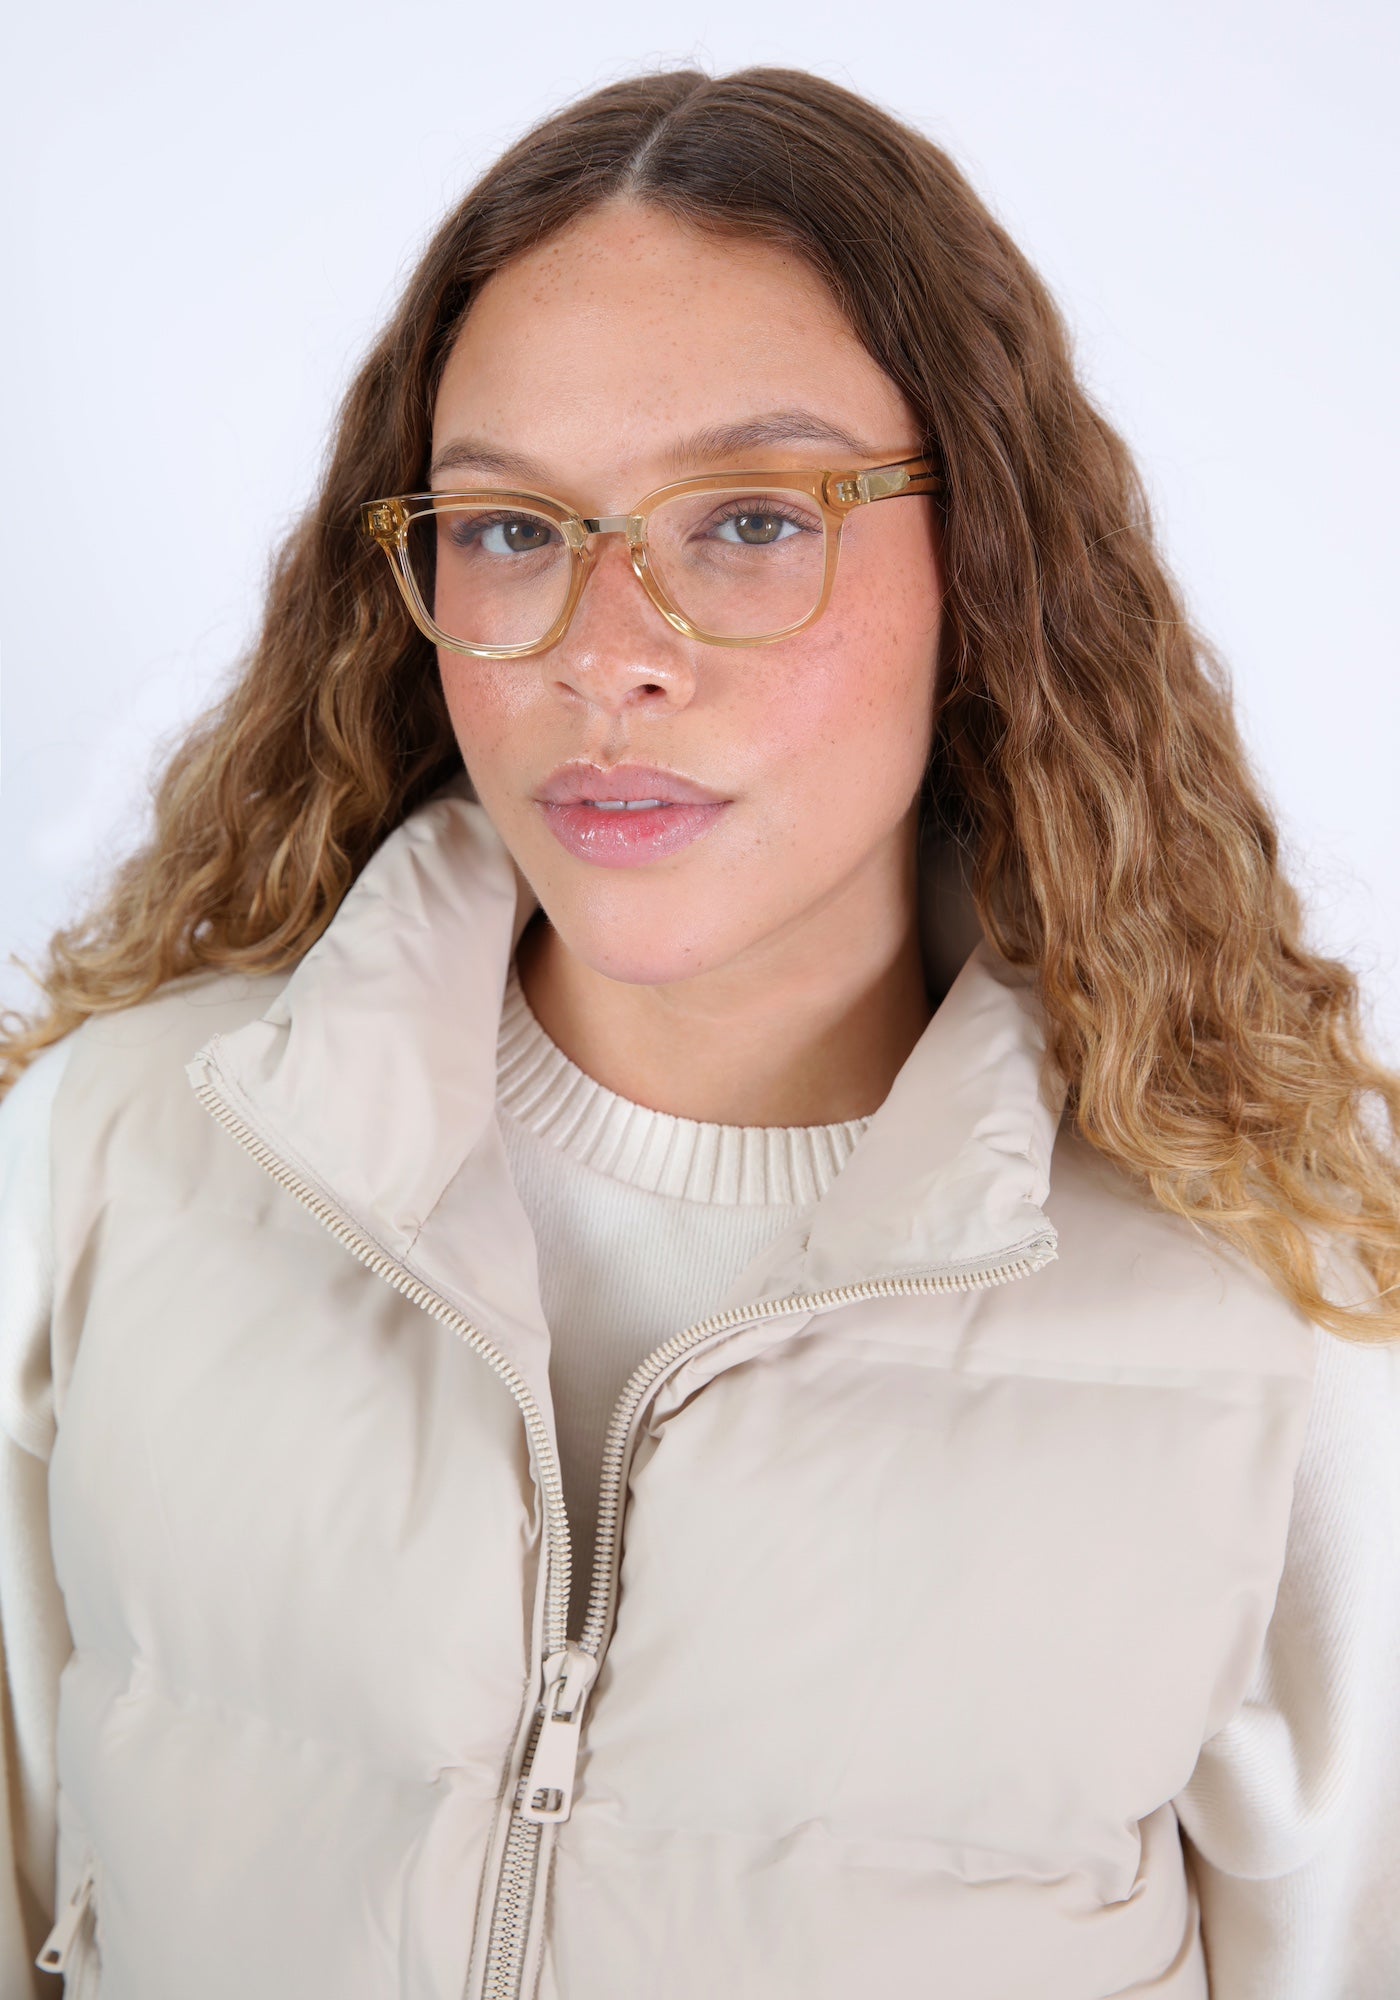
[[572, 782]]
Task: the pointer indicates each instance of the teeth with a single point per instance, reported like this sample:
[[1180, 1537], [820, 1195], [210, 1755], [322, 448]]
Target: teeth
[[625, 805]]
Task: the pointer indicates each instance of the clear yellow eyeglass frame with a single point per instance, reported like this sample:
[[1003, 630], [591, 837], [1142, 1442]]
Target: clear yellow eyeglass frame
[[837, 493]]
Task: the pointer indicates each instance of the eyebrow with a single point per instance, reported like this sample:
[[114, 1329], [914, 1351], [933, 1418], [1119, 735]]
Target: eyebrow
[[715, 441]]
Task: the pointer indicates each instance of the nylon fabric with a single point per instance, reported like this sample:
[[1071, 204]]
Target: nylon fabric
[[927, 1601]]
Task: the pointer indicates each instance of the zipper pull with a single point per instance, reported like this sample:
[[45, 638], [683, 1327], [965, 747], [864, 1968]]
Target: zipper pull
[[549, 1783], [57, 1947]]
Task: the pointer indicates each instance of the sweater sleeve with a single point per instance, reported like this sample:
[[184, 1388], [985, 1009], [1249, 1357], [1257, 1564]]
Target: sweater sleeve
[[34, 1637], [1291, 1817]]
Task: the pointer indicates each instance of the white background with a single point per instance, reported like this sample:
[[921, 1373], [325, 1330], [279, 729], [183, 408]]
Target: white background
[[211, 210]]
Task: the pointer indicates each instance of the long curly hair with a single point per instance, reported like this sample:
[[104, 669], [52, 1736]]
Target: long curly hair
[[1087, 762]]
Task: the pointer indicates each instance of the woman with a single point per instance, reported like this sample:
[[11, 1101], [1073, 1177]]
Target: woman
[[620, 1377]]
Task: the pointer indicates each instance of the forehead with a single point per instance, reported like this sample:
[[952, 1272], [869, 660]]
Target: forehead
[[630, 328]]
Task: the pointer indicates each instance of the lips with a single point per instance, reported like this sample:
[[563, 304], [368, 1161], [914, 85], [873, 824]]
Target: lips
[[575, 784], [628, 815]]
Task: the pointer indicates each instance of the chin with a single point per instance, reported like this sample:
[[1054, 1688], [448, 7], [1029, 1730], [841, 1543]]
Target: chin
[[640, 948]]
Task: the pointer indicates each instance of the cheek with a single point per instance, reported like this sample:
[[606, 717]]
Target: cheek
[[487, 704], [853, 709]]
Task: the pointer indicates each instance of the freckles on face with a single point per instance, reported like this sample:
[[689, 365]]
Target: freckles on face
[[818, 742], [490, 702], [845, 709]]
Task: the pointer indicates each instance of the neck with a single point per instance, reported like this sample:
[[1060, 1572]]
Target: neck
[[813, 1036]]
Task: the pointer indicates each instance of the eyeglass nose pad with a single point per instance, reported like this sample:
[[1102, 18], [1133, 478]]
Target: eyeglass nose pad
[[636, 543]]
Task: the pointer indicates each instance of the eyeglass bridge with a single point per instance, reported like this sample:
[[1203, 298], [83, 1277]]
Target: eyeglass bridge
[[604, 524]]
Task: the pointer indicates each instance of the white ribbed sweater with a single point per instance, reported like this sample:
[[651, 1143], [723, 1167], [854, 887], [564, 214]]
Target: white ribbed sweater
[[642, 1219]]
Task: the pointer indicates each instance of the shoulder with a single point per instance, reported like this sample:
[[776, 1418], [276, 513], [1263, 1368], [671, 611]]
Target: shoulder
[[1143, 1286], [26, 1250], [1349, 1474], [25, 1114], [126, 1126], [177, 1019], [134, 1058], [114, 1057]]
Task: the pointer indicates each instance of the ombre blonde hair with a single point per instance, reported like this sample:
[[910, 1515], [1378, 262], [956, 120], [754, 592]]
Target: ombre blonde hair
[[1086, 761]]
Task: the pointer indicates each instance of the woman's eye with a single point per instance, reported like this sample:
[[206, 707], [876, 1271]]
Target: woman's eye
[[498, 535], [516, 535], [757, 529]]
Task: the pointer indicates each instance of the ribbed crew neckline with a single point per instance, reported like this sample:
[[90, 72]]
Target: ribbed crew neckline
[[730, 1165]]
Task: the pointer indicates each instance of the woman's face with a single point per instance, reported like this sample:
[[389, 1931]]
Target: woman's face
[[588, 361]]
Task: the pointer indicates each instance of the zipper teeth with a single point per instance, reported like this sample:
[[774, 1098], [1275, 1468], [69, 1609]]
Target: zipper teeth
[[515, 1884], [637, 1385], [510, 1910], [429, 1301]]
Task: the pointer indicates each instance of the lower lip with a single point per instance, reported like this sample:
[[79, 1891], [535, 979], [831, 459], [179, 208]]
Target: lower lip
[[628, 839]]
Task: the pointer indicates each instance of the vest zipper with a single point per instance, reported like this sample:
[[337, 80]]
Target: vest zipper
[[56, 1952], [1026, 1257], [544, 1791], [423, 1296]]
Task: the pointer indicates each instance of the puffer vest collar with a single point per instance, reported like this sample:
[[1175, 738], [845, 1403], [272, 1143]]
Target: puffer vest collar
[[398, 1005]]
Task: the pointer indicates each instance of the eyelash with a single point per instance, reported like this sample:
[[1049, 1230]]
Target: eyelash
[[758, 504]]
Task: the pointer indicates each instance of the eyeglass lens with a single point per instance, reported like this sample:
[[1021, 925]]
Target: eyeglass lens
[[738, 565]]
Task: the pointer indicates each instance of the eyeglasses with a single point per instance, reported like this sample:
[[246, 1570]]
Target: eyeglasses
[[731, 558]]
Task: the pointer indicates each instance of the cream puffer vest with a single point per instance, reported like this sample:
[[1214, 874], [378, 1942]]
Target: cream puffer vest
[[925, 1565]]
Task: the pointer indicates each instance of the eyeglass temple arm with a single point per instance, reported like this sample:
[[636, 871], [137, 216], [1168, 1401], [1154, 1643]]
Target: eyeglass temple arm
[[882, 482]]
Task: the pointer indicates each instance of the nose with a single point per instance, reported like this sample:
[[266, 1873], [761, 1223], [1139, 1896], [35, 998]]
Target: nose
[[619, 652]]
